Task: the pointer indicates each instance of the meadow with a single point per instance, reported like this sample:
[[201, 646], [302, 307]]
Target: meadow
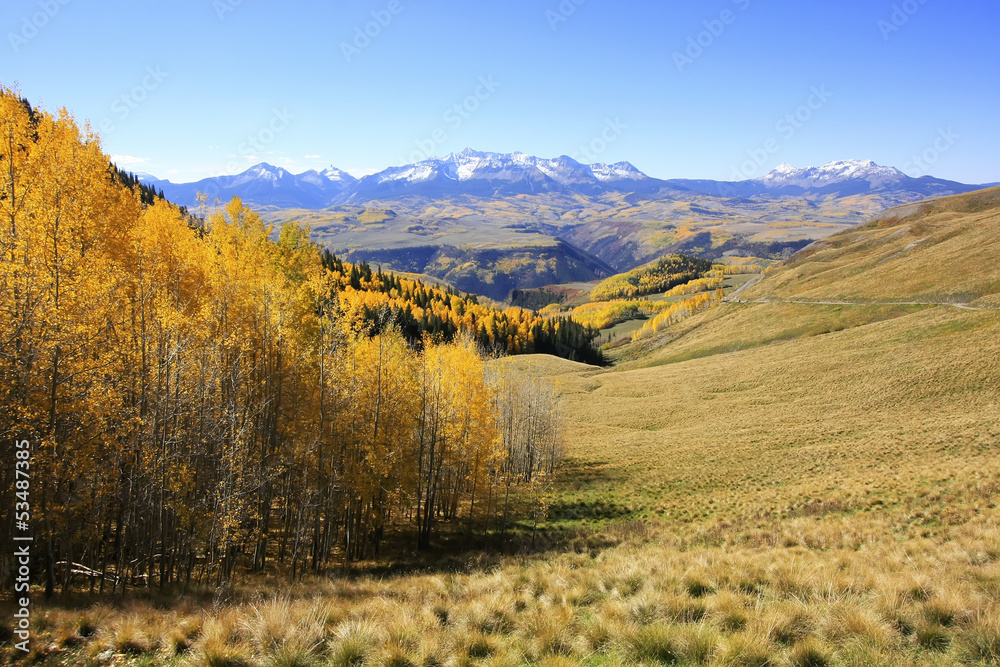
[[785, 481]]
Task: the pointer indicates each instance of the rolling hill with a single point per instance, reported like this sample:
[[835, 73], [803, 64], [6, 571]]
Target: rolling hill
[[937, 251]]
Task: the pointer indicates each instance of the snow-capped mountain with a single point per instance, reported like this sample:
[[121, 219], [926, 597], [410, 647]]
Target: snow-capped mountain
[[331, 182], [497, 174], [617, 172], [843, 178], [491, 175], [468, 172], [832, 173], [263, 185], [330, 175]]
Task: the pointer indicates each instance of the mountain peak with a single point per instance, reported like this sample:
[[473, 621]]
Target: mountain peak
[[619, 171], [268, 171], [332, 173], [470, 153], [831, 173]]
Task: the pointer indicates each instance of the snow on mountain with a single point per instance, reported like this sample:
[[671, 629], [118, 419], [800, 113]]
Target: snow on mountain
[[483, 174], [620, 171], [505, 173], [338, 175], [263, 172], [330, 179], [832, 173]]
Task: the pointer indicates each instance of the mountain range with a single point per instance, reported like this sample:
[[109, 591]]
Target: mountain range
[[499, 175]]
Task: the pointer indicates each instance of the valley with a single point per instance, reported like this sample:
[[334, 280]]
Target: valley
[[500, 334], [557, 220], [796, 467]]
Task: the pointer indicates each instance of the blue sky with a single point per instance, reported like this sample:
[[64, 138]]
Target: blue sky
[[712, 89]]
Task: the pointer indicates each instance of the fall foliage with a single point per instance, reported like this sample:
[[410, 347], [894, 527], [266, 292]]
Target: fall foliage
[[201, 397], [679, 312], [656, 277], [377, 300]]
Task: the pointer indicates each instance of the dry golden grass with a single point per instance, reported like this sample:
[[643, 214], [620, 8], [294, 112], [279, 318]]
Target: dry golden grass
[[859, 603], [940, 251]]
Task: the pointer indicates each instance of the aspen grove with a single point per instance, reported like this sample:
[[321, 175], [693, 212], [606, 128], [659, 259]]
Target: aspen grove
[[201, 403]]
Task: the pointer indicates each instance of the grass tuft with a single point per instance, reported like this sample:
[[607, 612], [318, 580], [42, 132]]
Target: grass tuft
[[981, 641], [658, 643], [731, 612], [697, 587], [479, 646], [129, 636], [700, 642], [290, 655], [747, 651], [933, 637], [350, 652], [809, 653], [940, 612]]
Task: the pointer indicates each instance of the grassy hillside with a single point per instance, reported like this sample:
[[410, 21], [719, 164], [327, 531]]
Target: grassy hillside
[[939, 251], [773, 482]]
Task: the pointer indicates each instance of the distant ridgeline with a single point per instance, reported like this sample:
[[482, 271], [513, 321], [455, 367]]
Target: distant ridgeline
[[381, 300]]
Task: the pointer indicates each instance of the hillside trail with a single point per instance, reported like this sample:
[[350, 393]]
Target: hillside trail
[[756, 279], [963, 306], [750, 283]]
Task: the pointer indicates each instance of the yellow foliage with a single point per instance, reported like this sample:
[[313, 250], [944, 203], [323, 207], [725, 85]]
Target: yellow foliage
[[679, 312], [604, 314], [204, 393]]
